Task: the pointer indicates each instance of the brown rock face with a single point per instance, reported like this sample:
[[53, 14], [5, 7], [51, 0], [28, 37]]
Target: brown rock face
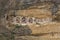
[[39, 9]]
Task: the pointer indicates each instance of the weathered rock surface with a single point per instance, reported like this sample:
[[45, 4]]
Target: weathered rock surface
[[37, 8]]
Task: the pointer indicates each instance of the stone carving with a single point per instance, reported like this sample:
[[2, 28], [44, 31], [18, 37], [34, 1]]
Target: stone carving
[[21, 20]]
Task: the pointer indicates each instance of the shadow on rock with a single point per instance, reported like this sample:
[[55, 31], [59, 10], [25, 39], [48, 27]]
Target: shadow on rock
[[22, 30]]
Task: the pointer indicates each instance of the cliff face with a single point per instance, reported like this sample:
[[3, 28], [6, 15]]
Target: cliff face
[[15, 4], [10, 10], [42, 10], [5, 6]]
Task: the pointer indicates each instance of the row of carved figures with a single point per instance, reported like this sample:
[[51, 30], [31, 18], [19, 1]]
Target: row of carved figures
[[28, 20]]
